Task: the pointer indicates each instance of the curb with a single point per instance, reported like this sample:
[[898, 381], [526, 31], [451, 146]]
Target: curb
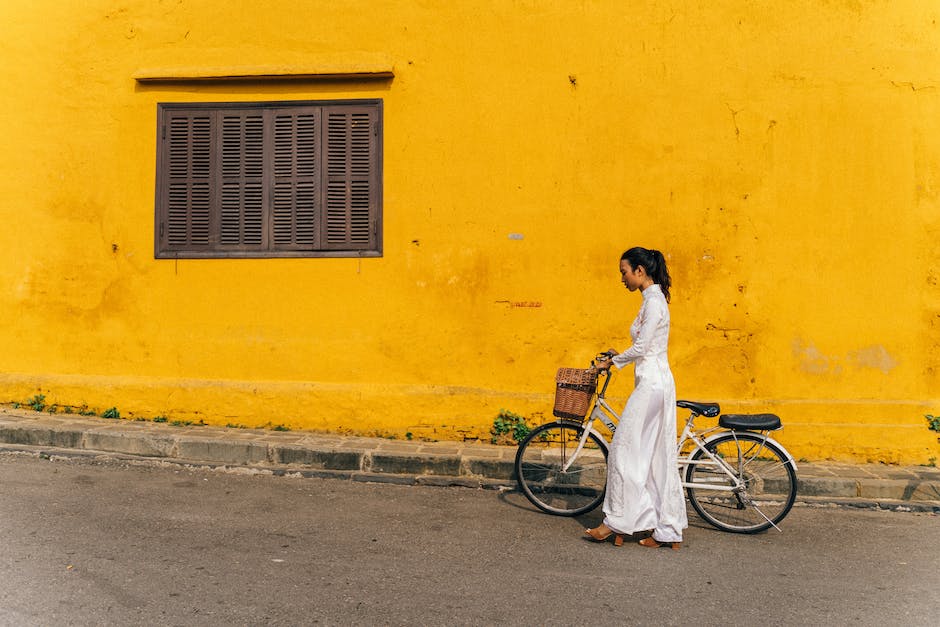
[[309, 454], [890, 505], [282, 471], [445, 464]]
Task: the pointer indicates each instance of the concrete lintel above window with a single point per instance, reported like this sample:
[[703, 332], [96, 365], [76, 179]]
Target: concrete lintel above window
[[353, 71]]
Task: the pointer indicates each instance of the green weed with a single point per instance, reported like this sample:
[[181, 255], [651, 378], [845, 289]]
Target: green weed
[[933, 422], [273, 427], [188, 423], [37, 403], [111, 413], [508, 427]]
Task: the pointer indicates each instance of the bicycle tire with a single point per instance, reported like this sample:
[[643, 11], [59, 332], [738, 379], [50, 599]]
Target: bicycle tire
[[539, 461], [769, 479]]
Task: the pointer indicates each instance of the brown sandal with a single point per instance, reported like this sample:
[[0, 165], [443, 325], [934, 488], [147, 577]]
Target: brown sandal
[[653, 544], [599, 536]]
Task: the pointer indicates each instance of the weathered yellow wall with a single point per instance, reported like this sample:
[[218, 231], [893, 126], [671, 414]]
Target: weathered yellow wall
[[786, 159]]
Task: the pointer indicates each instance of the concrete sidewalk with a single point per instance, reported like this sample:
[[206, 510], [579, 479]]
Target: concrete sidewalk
[[470, 464]]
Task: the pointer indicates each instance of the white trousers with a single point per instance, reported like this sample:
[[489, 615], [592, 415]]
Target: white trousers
[[644, 489]]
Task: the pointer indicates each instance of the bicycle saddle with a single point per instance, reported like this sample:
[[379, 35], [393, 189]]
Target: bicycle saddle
[[709, 410], [750, 422]]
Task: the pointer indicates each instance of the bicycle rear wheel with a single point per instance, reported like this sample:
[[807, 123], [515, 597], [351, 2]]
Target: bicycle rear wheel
[[540, 462], [765, 471]]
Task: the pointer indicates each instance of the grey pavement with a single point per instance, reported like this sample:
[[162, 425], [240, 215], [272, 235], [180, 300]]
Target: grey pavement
[[467, 464]]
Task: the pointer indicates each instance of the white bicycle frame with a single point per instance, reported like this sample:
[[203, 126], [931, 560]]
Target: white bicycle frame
[[605, 413]]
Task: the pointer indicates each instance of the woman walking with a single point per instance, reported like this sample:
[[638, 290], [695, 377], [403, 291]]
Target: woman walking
[[644, 490]]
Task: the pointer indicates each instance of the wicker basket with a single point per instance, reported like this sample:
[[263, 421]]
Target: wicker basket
[[574, 388]]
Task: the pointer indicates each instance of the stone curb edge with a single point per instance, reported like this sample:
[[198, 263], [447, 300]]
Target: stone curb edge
[[285, 470], [359, 461], [438, 480]]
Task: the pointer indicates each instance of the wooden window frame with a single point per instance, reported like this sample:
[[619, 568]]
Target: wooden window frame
[[269, 179]]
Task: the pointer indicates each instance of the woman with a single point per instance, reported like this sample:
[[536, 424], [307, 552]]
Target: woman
[[644, 490]]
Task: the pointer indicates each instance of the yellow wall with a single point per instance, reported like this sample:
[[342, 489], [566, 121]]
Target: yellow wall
[[786, 160]]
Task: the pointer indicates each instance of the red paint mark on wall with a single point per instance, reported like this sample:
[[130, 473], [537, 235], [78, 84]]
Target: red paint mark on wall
[[527, 304]]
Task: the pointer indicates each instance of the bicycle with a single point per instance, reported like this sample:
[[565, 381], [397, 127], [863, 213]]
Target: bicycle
[[736, 477]]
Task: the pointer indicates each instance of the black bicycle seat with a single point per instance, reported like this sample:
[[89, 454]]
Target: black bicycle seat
[[709, 410], [750, 422]]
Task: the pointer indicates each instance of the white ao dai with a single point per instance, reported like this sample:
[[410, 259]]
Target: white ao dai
[[644, 490]]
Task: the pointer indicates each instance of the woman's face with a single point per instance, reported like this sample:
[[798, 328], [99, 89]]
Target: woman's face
[[631, 279]]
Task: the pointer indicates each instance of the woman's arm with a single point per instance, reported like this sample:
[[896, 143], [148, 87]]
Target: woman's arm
[[651, 315]]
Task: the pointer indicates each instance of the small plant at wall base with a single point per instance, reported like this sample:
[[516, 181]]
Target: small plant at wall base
[[508, 428], [38, 402], [275, 427], [933, 423], [187, 423]]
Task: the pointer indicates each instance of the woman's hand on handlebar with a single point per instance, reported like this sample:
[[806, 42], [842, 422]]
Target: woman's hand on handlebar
[[602, 361]]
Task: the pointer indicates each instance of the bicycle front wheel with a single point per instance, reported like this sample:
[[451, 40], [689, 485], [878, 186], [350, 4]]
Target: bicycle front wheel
[[750, 486], [555, 476]]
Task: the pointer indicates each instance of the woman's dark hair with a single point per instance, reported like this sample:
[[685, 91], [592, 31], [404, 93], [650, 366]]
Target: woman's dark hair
[[653, 262]]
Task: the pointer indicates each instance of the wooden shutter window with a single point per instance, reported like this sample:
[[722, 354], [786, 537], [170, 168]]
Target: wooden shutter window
[[241, 222], [269, 179], [188, 211], [350, 216], [296, 142]]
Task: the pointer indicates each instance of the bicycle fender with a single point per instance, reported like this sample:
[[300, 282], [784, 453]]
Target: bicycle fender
[[767, 439]]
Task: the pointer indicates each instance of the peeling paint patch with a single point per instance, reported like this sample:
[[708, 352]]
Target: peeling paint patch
[[873, 357], [814, 361]]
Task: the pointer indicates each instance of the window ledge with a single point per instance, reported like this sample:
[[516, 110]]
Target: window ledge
[[359, 72]]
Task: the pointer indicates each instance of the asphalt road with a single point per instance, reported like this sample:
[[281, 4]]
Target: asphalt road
[[114, 543]]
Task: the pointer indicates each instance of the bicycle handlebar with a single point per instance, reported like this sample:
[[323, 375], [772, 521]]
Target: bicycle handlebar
[[605, 356]]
